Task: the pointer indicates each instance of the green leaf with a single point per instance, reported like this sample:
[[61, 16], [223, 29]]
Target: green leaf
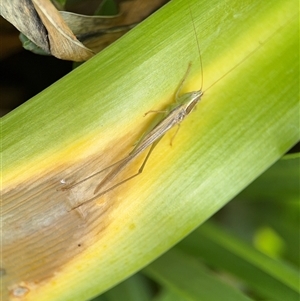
[[281, 181], [135, 288], [189, 279], [91, 118], [271, 278]]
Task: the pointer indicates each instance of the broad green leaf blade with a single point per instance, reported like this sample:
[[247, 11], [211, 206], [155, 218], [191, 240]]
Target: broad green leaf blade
[[92, 117], [188, 278], [271, 278]]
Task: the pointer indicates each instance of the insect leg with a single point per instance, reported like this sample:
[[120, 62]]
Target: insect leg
[[182, 81]]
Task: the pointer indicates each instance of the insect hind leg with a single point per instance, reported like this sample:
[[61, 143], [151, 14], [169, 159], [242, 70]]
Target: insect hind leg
[[123, 181]]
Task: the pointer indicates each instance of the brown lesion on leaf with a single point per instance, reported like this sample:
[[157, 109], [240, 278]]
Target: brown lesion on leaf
[[40, 231]]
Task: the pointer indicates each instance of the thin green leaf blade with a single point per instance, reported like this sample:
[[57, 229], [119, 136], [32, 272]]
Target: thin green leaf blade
[[188, 278], [268, 276]]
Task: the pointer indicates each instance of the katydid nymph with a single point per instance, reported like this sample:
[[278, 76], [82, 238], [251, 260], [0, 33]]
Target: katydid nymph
[[173, 115]]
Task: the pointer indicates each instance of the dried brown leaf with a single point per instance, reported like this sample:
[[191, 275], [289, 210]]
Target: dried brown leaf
[[95, 32], [63, 43], [22, 14]]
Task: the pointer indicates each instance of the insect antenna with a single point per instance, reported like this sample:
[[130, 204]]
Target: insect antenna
[[252, 52], [199, 49]]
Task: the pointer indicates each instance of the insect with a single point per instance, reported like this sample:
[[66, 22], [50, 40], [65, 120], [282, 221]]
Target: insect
[[172, 116]]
